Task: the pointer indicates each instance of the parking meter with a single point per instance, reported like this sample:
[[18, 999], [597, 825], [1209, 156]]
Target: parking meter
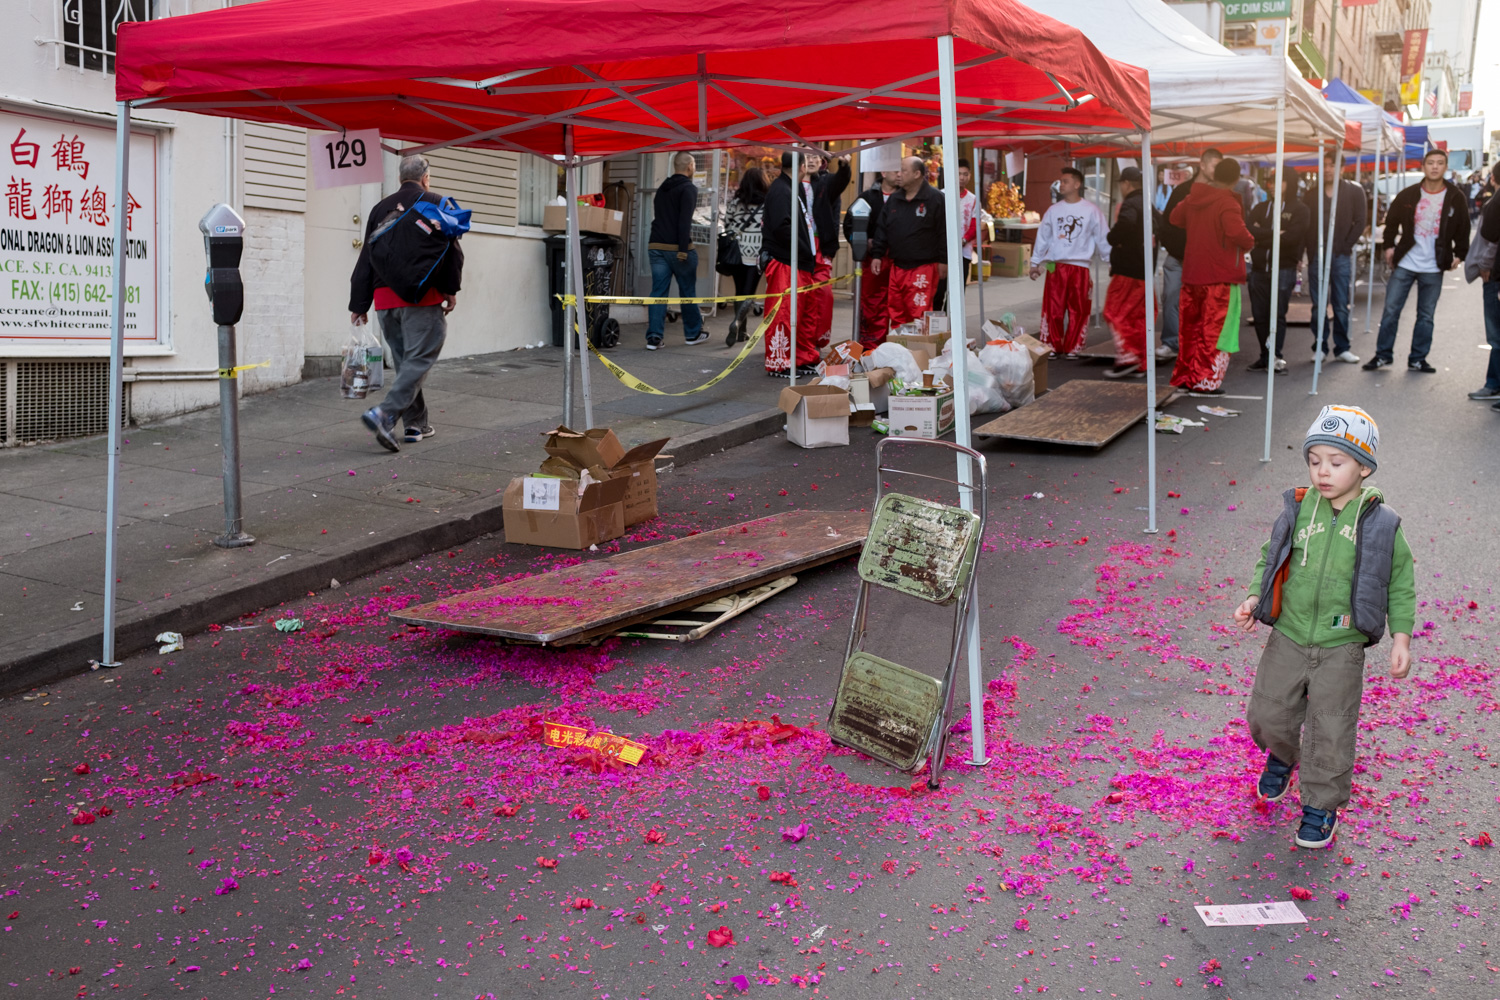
[[859, 226], [224, 242]]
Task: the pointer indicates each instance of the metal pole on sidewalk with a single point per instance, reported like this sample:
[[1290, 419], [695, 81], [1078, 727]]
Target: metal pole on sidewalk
[[574, 256], [1270, 345], [570, 238], [1374, 217], [234, 536], [713, 232], [953, 198], [1148, 198], [791, 367], [1327, 263], [116, 374]]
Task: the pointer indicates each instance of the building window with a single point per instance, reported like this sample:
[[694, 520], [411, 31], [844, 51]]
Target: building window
[[539, 182], [89, 29]]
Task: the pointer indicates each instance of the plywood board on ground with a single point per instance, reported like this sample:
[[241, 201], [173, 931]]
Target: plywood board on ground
[[578, 603], [1084, 413]]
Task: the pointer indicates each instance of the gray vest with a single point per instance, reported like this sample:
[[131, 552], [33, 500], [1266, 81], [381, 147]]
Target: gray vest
[[1374, 551]]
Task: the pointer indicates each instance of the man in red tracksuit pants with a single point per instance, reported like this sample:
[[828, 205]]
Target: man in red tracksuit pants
[[911, 232], [1213, 269], [776, 246]]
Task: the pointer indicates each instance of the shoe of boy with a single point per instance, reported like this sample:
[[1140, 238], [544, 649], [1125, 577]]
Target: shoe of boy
[[1317, 829], [415, 434], [383, 426], [1275, 780]]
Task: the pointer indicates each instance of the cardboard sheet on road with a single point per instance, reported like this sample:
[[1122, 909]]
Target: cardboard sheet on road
[[580, 603], [1085, 413]]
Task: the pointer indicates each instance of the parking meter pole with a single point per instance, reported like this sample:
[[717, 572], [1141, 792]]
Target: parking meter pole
[[234, 536], [567, 288]]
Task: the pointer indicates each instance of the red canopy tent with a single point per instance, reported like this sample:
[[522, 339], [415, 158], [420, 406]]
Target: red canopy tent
[[590, 78]]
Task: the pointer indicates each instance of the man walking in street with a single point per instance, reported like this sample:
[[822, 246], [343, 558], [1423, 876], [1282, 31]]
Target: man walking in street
[[872, 282], [1293, 227], [1125, 302], [1174, 242], [1212, 272], [912, 233], [1348, 227], [1072, 231], [1426, 234], [414, 331], [672, 254], [776, 251]]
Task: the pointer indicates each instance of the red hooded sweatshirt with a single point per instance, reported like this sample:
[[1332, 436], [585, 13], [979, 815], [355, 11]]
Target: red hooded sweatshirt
[[1216, 236]]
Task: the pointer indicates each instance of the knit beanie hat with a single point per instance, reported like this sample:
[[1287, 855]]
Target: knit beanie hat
[[1347, 428]]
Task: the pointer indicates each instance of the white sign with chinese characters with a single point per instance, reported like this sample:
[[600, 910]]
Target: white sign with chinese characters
[[347, 158], [57, 237]]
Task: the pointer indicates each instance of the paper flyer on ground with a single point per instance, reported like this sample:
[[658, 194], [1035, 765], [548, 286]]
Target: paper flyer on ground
[[1251, 914]]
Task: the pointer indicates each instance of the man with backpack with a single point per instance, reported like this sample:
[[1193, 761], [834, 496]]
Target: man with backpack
[[410, 268]]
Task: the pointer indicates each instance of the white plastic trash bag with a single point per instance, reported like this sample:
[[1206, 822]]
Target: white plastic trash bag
[[1011, 365], [896, 356], [983, 399]]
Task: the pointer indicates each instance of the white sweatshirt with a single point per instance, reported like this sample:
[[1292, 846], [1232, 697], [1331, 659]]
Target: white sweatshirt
[[1071, 234]]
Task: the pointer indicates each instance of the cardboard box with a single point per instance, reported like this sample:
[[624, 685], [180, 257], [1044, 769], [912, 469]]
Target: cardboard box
[[544, 511], [921, 416], [932, 346], [1039, 352], [817, 416], [585, 449], [591, 219], [638, 470], [1009, 260], [871, 389]]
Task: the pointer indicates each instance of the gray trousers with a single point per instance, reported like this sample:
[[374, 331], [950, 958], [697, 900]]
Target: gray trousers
[[1304, 708], [415, 336], [1171, 294]]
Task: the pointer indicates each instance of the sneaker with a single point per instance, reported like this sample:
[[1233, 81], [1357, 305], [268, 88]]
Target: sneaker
[[1317, 829], [653, 345], [415, 434], [1206, 392], [1421, 366], [1071, 356], [1319, 356], [1165, 353], [1375, 364], [383, 426], [702, 337], [1275, 780], [1281, 366], [1132, 369], [1348, 357], [807, 371], [1258, 365], [1485, 393]]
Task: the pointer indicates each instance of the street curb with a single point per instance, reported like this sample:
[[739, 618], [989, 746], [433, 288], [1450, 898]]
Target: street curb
[[70, 651]]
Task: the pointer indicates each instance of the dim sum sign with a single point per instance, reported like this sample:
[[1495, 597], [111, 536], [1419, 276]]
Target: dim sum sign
[[57, 238]]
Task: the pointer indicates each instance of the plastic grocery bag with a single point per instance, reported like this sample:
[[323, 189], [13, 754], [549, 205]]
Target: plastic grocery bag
[[374, 355], [355, 380], [1011, 365], [889, 355]]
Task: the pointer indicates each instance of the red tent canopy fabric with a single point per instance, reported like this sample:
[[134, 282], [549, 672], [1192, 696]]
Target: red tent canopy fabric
[[512, 74]]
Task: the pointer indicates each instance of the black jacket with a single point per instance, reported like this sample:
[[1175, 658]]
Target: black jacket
[[1489, 221], [828, 188], [912, 231], [1453, 227], [1127, 249], [1353, 213], [363, 282], [1296, 223], [1174, 238], [672, 214], [776, 225], [875, 198]]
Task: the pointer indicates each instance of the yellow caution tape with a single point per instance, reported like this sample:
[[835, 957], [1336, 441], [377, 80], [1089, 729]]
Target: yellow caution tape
[[637, 300], [235, 371], [631, 382]]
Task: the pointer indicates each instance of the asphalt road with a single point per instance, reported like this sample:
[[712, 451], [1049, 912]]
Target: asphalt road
[[357, 809]]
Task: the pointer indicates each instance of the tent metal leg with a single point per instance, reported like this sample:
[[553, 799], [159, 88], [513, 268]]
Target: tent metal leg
[[1148, 196], [578, 288], [791, 366], [1270, 346], [116, 377], [953, 196], [569, 310]]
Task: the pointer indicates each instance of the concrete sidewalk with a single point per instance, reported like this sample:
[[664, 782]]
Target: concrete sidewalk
[[321, 498]]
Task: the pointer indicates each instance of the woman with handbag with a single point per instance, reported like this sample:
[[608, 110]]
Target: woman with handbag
[[739, 247]]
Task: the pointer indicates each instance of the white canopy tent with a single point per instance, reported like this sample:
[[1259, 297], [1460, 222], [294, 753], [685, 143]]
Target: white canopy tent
[[1202, 95]]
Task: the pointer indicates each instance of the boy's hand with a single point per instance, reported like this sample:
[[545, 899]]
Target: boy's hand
[[1244, 615], [1400, 655]]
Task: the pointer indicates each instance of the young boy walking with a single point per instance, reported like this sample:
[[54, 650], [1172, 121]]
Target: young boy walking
[[1335, 570]]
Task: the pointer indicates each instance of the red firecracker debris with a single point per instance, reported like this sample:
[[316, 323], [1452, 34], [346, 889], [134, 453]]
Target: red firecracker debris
[[81, 769], [583, 903], [579, 812], [763, 793], [654, 836], [785, 878], [721, 938], [82, 818], [506, 810], [1298, 892], [547, 862]]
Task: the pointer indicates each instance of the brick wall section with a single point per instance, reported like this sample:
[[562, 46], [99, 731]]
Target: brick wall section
[[272, 327]]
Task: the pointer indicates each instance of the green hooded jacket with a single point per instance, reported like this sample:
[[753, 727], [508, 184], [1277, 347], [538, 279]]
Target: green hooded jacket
[[1315, 608]]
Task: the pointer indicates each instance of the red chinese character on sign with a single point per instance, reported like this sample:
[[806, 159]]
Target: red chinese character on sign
[[93, 206], [130, 207], [58, 201], [18, 199], [24, 154], [68, 155]]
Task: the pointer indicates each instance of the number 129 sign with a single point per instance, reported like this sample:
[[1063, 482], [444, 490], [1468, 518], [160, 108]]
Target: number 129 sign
[[338, 159]]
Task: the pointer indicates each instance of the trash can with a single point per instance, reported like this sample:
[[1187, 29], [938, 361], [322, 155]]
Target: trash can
[[599, 255]]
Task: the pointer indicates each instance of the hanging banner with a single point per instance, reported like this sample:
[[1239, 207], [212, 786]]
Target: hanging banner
[[1413, 51], [57, 237], [1254, 10], [1411, 91], [1465, 98]]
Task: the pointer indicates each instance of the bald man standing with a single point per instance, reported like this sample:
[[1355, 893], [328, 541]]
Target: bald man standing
[[910, 238]]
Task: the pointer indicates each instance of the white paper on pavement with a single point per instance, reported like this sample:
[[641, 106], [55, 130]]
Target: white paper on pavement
[[1251, 914]]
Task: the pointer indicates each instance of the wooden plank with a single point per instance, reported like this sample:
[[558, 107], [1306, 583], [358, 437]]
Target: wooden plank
[[1082, 413], [600, 597]]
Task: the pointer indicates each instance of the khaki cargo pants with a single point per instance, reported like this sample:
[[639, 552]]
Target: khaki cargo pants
[[1304, 708]]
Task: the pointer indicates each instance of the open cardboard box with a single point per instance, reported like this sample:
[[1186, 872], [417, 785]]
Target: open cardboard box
[[817, 416], [599, 451], [540, 510]]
